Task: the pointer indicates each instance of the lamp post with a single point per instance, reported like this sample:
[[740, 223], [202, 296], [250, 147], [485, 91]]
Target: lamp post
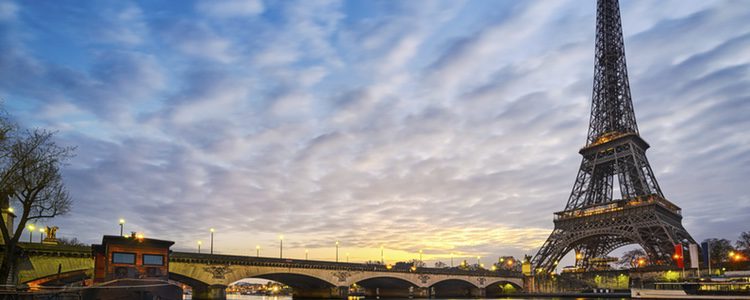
[[347, 257], [306, 252], [199, 246], [31, 231], [420, 255], [257, 250], [382, 257], [212, 240], [41, 234], [478, 262], [337, 251], [122, 224], [451, 259], [281, 246]]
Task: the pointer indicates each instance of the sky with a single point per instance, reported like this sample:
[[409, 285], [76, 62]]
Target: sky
[[445, 126]]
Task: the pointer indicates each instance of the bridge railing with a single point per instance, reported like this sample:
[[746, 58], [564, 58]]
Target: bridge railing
[[316, 264]]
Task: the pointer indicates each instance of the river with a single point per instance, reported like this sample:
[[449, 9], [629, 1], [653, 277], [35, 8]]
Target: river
[[249, 297]]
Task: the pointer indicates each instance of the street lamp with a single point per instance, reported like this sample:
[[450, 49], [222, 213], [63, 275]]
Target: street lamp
[[31, 231], [122, 224], [337, 251], [41, 234], [212, 240], [478, 257], [451, 259], [306, 252], [420, 255], [382, 257], [199, 246], [347, 257], [257, 250], [281, 246]]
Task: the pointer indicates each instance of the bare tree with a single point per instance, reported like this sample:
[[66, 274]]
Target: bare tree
[[719, 249], [631, 258], [743, 244], [31, 185]]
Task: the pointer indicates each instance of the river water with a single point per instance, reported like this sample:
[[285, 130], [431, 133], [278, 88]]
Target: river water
[[249, 297]]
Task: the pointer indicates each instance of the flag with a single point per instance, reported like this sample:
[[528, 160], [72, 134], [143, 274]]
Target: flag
[[693, 256], [678, 256]]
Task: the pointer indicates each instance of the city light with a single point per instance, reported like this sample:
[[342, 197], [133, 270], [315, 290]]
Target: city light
[[122, 226], [31, 231]]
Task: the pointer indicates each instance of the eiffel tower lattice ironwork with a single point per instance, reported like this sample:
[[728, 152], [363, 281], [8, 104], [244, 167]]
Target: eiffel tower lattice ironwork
[[593, 223]]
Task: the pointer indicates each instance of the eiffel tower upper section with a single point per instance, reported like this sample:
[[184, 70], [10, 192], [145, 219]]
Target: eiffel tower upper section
[[612, 123], [612, 108]]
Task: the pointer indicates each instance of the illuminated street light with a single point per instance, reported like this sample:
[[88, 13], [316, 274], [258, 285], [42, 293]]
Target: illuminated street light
[[382, 257], [337, 251], [347, 257], [478, 262], [420, 255], [199, 246], [41, 234], [257, 250], [281, 246], [122, 225], [306, 253], [31, 231], [451, 259], [212, 239]]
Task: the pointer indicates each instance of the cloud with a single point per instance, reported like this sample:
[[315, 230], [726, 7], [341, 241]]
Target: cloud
[[448, 127], [230, 8]]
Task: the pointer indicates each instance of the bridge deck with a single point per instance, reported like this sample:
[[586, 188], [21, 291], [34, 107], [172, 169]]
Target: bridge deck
[[328, 265]]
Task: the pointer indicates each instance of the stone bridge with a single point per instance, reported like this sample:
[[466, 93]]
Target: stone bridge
[[209, 275]]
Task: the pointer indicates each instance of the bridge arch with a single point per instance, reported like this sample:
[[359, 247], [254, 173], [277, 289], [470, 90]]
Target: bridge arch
[[387, 285], [295, 278], [500, 287], [385, 278], [454, 287]]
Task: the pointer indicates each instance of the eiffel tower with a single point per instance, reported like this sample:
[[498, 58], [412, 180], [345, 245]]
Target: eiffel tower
[[594, 224]]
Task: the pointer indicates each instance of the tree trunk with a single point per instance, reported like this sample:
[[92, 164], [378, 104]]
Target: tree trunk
[[9, 258]]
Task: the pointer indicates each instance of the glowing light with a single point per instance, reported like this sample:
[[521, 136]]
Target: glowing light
[[122, 221], [388, 266], [212, 229], [200, 243], [31, 227], [10, 209], [139, 236]]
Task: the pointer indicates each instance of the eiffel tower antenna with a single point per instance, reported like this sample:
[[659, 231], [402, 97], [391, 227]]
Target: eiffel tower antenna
[[594, 223]]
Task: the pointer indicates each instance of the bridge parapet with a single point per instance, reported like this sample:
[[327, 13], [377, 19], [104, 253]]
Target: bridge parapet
[[327, 265]]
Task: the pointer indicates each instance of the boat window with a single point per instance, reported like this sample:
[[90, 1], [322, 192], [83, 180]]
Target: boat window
[[154, 260], [123, 258]]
